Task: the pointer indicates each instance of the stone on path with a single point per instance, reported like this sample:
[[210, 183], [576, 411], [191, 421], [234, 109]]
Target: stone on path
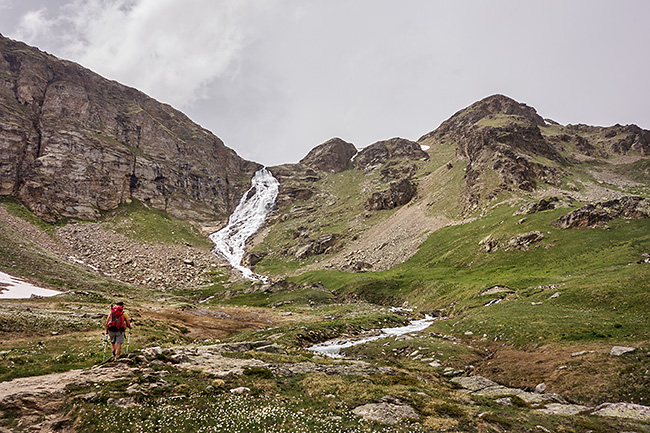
[[620, 350], [240, 390]]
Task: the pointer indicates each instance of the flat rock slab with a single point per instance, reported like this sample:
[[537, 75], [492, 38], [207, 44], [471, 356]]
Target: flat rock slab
[[387, 413], [563, 409], [216, 364], [473, 383], [478, 385], [45, 394], [353, 368], [210, 360], [624, 410]]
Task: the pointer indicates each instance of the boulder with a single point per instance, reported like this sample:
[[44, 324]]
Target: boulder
[[524, 240], [547, 203], [121, 402], [240, 390], [473, 383], [399, 193], [478, 385], [519, 242], [317, 246], [254, 257]]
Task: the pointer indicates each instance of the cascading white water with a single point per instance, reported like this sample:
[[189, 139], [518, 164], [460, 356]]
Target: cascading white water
[[246, 220]]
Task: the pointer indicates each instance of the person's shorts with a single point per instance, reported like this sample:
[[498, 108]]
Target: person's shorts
[[116, 336]]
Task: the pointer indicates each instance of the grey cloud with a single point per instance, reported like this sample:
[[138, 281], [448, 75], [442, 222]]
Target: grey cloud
[[275, 78]]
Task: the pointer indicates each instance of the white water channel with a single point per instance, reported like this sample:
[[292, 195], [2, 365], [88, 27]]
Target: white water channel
[[333, 348], [15, 288], [246, 220]]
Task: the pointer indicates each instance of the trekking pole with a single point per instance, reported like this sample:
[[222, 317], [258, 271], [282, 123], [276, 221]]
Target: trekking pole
[[105, 341], [128, 340]]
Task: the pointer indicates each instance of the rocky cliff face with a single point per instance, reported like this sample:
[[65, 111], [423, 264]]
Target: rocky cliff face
[[73, 144]]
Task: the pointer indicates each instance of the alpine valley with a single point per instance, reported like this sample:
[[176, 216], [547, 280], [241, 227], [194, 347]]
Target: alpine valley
[[517, 248]]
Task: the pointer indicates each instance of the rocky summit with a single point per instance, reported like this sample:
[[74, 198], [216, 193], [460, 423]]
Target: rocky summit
[[73, 144]]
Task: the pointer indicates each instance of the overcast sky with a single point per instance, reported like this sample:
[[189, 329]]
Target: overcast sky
[[274, 78]]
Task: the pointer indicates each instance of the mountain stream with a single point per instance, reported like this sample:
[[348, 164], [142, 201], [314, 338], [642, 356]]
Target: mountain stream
[[247, 218], [332, 348]]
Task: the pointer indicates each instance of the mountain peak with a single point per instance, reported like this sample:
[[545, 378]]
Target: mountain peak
[[334, 155], [503, 105], [492, 111]]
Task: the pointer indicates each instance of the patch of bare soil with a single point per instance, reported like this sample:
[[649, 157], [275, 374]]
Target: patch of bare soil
[[215, 323], [580, 372]]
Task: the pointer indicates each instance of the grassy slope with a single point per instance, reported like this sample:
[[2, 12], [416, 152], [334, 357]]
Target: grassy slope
[[595, 271]]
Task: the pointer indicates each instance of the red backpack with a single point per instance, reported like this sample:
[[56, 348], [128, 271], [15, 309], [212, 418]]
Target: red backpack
[[116, 320]]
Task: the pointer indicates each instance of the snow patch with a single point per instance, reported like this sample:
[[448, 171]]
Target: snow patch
[[16, 288]]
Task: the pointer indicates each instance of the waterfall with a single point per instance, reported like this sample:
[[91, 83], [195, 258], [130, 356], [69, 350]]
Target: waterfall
[[246, 220]]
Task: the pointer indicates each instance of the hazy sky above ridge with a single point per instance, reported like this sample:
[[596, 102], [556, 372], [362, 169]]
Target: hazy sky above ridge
[[274, 78]]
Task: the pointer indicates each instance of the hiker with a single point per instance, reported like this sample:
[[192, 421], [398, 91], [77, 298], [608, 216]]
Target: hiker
[[116, 325]]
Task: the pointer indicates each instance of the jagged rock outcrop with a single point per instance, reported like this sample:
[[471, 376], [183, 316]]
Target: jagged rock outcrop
[[612, 140], [73, 144], [520, 242], [394, 149], [399, 193], [332, 156], [295, 183], [597, 215], [542, 205], [317, 246]]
